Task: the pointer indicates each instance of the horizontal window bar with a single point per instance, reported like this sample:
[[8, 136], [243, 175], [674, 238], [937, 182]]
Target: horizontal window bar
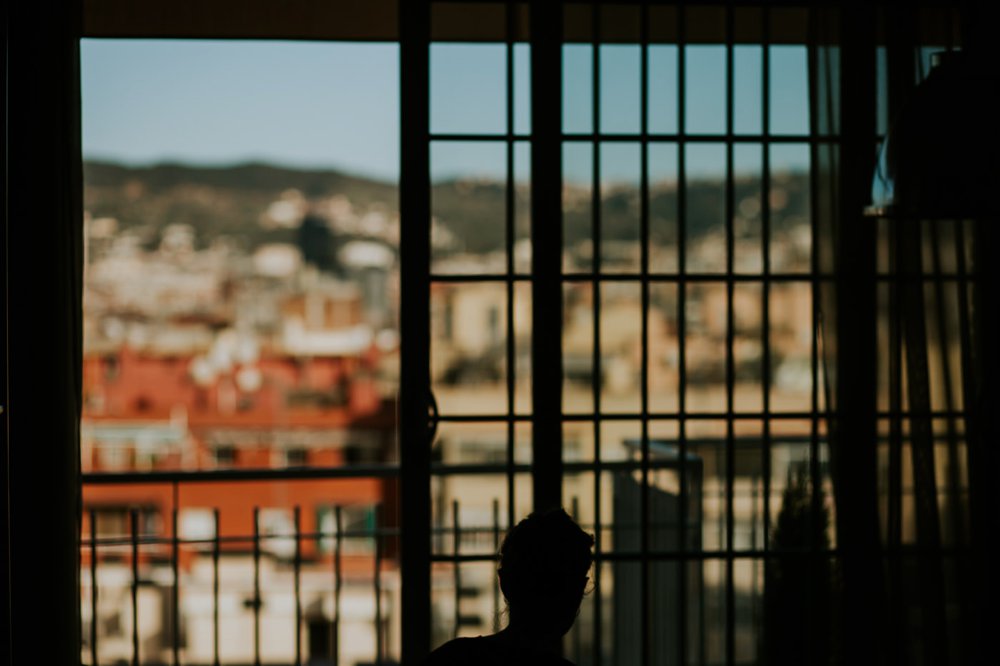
[[699, 138], [805, 553], [638, 136], [246, 539], [249, 474], [481, 277], [698, 277]]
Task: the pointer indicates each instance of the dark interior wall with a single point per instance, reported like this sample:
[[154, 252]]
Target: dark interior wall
[[43, 298]]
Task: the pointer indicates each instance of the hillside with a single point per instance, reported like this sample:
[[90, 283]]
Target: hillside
[[230, 201]]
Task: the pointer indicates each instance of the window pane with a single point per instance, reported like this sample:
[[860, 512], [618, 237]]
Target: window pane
[[706, 208], [705, 347], [748, 89], [789, 198], [705, 89], [747, 221], [578, 88], [789, 90], [662, 83], [664, 349], [522, 89], [578, 348], [791, 334], [662, 207], [468, 207], [620, 88], [578, 206], [468, 343], [241, 301], [621, 346], [468, 89], [748, 347], [522, 207], [620, 169]]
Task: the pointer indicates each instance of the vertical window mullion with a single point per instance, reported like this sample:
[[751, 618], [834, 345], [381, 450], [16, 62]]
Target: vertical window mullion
[[730, 373], [765, 216], [546, 256], [509, 247], [414, 386], [595, 267], [683, 559], [816, 552], [644, 526]]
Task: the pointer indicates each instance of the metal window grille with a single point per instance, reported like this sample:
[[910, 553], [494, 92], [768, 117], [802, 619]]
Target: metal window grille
[[686, 471]]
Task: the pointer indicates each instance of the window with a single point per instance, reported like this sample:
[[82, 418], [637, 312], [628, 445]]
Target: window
[[241, 349], [610, 263]]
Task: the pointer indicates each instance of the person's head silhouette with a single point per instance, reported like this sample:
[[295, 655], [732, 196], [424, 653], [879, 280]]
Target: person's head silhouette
[[544, 561]]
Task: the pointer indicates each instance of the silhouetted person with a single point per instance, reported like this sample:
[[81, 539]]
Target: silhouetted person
[[544, 561]]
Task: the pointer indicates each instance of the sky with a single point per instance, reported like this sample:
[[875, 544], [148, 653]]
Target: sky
[[336, 105]]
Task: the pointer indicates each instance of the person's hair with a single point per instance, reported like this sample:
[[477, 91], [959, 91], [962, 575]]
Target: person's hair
[[545, 558]]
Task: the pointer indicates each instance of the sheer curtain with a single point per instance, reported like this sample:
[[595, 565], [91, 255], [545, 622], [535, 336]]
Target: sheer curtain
[[904, 328]]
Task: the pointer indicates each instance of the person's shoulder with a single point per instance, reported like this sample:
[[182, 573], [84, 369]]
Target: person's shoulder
[[456, 651]]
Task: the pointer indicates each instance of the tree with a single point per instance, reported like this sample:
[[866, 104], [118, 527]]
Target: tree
[[798, 578]]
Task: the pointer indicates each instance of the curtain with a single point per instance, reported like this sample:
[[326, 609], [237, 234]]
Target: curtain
[[903, 325]]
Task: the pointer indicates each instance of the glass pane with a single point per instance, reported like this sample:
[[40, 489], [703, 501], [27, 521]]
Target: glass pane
[[662, 83], [883, 340], [749, 501], [790, 335], [621, 440], [705, 347], [662, 176], [626, 596], [468, 92], [468, 343], [748, 347], [522, 89], [664, 497], [578, 88], [522, 348], [951, 466], [664, 348], [241, 312], [791, 212], [944, 345], [748, 599], [789, 90], [748, 89], [522, 207], [705, 89], [881, 90], [470, 443], [620, 88], [478, 502], [941, 246], [747, 221], [468, 204], [705, 166], [465, 601], [578, 206], [706, 445], [621, 347], [713, 612], [792, 518], [578, 348], [620, 170]]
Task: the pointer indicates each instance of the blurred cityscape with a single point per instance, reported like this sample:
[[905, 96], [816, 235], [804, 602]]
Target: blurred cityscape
[[246, 318]]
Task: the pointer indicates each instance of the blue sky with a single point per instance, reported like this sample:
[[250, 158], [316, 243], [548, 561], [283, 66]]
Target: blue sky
[[313, 104]]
